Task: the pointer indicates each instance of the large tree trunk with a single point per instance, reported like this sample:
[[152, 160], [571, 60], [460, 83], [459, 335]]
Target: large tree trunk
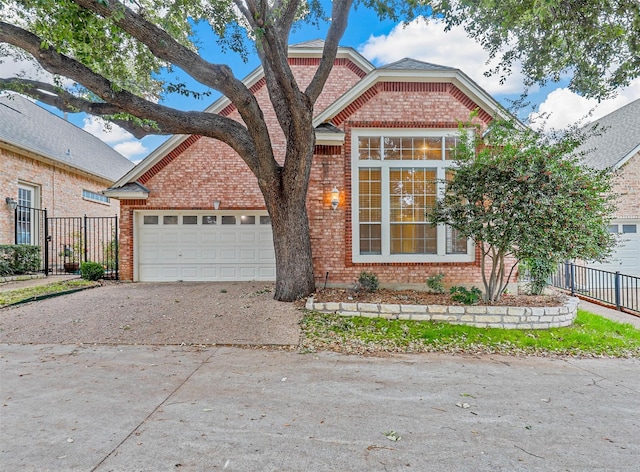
[[294, 266], [285, 196]]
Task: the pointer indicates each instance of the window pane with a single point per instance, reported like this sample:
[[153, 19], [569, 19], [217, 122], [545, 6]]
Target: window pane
[[189, 220], [432, 149], [456, 244], [411, 192], [613, 229], [370, 188], [150, 219], [170, 219], [209, 220], [228, 220], [628, 229], [265, 220], [369, 148], [247, 220], [392, 149], [450, 144], [413, 238], [370, 239]]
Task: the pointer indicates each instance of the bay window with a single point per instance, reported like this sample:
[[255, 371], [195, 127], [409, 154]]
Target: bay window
[[397, 177]]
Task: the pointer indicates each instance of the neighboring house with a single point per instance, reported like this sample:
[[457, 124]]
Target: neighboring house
[[384, 136], [618, 150], [49, 163]]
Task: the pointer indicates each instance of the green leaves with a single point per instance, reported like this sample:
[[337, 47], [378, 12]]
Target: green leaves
[[526, 195], [594, 41]]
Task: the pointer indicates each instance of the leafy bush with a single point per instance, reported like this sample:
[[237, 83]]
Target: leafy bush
[[368, 281], [468, 297], [539, 272], [434, 283], [19, 259], [91, 271]]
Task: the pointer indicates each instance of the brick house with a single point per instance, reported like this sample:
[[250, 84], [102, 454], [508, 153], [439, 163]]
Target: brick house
[[618, 149], [50, 163], [384, 136]]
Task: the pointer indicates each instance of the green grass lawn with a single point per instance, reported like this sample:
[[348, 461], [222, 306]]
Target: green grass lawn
[[590, 335], [28, 293]]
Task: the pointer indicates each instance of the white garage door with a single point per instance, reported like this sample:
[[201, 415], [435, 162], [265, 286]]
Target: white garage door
[[626, 257], [204, 246]]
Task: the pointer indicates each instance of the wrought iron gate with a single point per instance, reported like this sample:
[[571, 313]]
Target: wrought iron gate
[[66, 242]]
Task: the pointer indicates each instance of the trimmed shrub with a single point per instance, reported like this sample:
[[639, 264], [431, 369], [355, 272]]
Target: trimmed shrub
[[16, 259], [468, 297], [434, 283], [91, 271], [368, 281]]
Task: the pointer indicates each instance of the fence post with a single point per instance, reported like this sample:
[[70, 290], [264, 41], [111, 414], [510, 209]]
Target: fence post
[[46, 243], [572, 278], [617, 286], [117, 248], [86, 239]]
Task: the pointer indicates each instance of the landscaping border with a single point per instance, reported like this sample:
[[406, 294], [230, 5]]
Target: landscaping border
[[473, 315]]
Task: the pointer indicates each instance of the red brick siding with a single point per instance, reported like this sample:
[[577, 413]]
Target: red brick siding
[[60, 190]]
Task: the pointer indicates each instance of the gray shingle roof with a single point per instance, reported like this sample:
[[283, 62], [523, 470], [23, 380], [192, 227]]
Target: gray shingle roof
[[621, 137], [31, 127], [412, 64], [314, 43]]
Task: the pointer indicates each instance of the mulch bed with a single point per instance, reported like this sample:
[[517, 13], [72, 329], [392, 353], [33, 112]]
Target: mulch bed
[[415, 297]]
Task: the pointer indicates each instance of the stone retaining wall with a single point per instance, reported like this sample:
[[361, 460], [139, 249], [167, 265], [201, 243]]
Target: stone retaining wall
[[478, 316]]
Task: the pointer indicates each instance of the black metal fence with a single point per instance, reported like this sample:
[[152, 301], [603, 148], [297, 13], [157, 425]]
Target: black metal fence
[[66, 242], [614, 288]]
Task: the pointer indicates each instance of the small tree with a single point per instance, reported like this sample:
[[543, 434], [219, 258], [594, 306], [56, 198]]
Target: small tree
[[521, 194]]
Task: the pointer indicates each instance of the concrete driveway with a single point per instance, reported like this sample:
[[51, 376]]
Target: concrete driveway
[[227, 313], [168, 408]]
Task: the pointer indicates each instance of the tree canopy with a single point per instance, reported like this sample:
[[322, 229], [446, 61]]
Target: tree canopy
[[521, 194], [595, 43]]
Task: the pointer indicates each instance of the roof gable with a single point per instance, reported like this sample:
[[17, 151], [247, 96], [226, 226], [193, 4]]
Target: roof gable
[[27, 126]]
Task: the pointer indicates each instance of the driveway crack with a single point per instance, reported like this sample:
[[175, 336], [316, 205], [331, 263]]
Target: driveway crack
[[158, 406]]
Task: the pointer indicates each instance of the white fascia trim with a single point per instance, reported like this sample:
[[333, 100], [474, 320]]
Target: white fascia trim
[[177, 139], [454, 76], [127, 195], [329, 139], [627, 158]]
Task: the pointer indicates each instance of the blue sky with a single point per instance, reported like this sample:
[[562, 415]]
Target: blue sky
[[382, 42]]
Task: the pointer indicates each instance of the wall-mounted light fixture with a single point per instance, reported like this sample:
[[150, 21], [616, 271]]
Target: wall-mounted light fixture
[[11, 203], [216, 204], [335, 198]]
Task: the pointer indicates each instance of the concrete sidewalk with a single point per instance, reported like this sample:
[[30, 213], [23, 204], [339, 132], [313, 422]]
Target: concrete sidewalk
[[140, 408]]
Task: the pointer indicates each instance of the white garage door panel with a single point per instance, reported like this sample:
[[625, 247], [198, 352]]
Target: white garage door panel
[[203, 252], [626, 256]]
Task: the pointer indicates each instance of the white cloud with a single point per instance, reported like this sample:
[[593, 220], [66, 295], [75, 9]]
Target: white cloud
[[131, 149], [115, 136], [107, 132], [564, 107], [429, 42]]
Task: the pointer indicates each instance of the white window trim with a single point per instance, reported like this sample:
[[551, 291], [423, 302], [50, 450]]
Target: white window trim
[[440, 167]]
